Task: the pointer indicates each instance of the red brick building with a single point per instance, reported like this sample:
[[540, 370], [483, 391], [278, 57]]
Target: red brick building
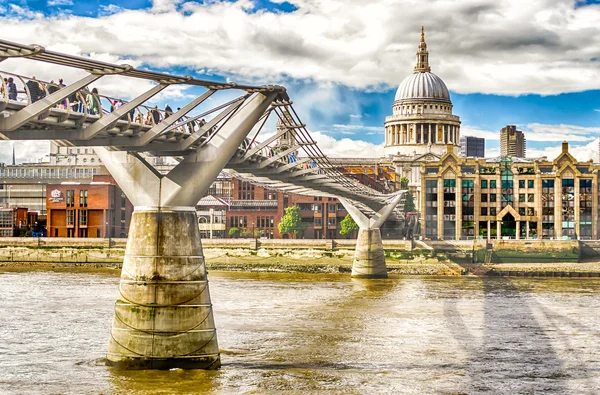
[[98, 209], [256, 208]]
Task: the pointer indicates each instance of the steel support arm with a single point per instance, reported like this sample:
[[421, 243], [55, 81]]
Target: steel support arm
[[268, 161], [377, 219], [194, 137], [33, 110], [107, 121], [157, 130], [197, 171]]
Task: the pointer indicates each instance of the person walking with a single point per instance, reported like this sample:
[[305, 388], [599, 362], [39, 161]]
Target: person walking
[[35, 90], [155, 115], [92, 102], [168, 111], [12, 89]]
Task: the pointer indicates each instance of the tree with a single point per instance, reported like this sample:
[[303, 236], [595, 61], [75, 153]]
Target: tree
[[291, 222], [403, 182], [348, 226], [409, 203], [234, 232]]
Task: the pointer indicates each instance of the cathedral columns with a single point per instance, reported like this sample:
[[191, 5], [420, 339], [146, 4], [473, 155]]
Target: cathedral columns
[[422, 134]]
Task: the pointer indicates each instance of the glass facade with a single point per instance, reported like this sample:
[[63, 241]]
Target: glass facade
[[547, 209], [585, 209], [449, 208], [468, 209], [431, 206]]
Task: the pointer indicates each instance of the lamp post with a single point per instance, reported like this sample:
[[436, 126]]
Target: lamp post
[[253, 234]]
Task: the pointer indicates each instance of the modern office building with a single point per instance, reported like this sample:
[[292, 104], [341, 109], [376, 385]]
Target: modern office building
[[508, 197], [512, 142], [472, 146]]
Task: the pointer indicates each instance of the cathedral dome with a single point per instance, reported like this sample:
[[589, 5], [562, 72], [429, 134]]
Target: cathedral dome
[[423, 85]]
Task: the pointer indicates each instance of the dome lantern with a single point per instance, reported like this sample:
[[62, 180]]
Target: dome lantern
[[422, 54]]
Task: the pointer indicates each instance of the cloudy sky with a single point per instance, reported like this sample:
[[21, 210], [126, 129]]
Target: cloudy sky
[[535, 64]]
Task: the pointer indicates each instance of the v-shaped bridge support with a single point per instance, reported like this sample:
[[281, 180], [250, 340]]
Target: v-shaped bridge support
[[163, 314], [369, 256]]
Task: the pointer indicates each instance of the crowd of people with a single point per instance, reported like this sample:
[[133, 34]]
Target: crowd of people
[[90, 101]]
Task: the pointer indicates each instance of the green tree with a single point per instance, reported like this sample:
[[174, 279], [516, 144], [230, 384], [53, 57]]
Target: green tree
[[403, 182], [348, 226], [291, 222], [234, 232], [409, 203]]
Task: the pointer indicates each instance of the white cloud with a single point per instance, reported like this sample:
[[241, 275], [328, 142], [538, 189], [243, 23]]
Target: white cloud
[[109, 9], [476, 132], [347, 148], [25, 151], [582, 152], [546, 133], [52, 3], [597, 109], [549, 48]]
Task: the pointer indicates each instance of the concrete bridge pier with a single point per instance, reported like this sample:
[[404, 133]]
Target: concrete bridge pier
[[369, 255], [163, 314]]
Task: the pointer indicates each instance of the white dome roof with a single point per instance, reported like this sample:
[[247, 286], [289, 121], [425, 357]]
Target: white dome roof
[[423, 86]]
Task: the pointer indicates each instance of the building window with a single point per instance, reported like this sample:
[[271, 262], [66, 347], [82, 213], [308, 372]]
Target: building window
[[521, 183], [484, 197], [492, 197], [70, 198], [70, 217], [547, 209], [492, 183], [493, 211], [318, 221], [484, 211], [530, 197], [331, 221], [83, 198], [484, 184], [529, 183], [83, 217], [521, 197], [331, 207], [431, 196]]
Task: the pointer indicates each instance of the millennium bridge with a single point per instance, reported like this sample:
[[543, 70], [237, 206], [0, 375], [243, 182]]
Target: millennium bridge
[[163, 315]]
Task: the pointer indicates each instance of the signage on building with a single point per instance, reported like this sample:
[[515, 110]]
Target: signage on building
[[56, 196]]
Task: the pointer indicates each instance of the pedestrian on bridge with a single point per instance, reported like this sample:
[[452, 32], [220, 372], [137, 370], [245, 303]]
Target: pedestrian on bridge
[[12, 89], [92, 102], [35, 89]]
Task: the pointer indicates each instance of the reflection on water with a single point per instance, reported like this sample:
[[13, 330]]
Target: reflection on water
[[298, 333]]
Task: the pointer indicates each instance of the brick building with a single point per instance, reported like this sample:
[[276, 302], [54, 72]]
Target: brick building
[[97, 209], [255, 208]]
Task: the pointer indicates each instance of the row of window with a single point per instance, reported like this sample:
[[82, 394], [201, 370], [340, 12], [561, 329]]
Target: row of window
[[70, 198], [53, 172], [83, 217]]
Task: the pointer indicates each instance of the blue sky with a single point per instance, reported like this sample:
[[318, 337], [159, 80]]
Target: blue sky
[[342, 63]]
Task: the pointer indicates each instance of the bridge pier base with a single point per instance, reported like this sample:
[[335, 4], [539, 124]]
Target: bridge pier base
[[369, 256], [163, 313]]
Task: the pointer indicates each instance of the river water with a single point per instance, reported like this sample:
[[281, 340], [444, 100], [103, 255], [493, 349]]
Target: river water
[[303, 334]]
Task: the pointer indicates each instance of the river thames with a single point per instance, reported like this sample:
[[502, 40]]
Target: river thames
[[302, 334]]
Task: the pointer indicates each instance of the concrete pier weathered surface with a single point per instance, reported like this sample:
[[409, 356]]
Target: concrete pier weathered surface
[[163, 314], [369, 256]]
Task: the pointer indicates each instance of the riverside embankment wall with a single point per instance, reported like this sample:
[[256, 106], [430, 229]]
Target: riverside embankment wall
[[90, 250]]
